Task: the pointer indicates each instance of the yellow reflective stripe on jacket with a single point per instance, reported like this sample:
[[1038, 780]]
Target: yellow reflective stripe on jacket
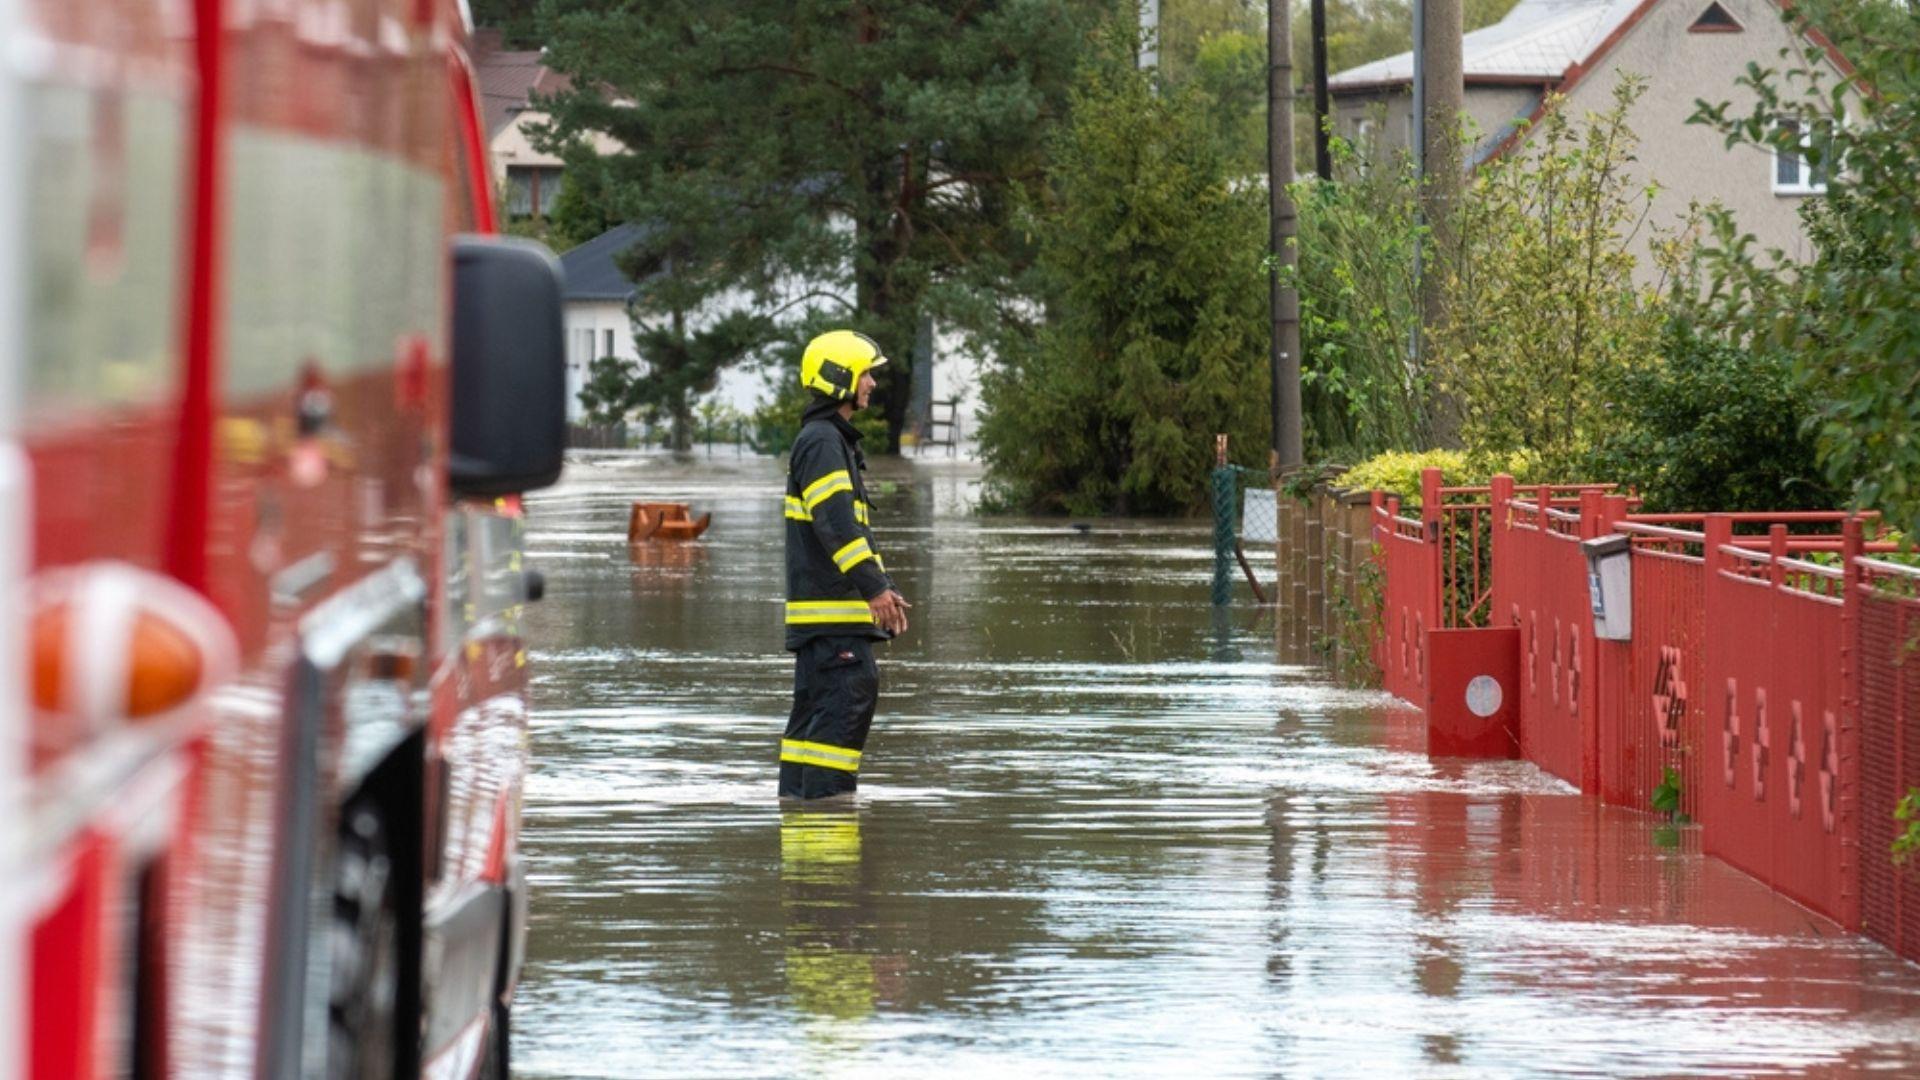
[[842, 758], [806, 612], [861, 512], [826, 488], [856, 552], [797, 510], [836, 476], [826, 493]]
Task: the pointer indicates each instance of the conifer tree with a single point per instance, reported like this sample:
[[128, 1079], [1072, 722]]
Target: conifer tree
[[845, 162], [1151, 257]]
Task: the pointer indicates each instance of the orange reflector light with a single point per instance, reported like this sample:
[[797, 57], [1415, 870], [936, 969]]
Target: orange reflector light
[[111, 644], [164, 665], [48, 645]]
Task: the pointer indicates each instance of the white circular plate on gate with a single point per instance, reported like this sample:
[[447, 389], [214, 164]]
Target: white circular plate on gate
[[1484, 696]]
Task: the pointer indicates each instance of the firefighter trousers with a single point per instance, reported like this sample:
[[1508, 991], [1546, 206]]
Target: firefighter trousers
[[835, 687]]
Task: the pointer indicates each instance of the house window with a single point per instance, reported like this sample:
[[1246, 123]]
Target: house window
[[532, 190], [1793, 173], [582, 349], [608, 351]]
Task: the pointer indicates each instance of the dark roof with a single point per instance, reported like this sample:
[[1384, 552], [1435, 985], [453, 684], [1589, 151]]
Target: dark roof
[[508, 80], [592, 270]]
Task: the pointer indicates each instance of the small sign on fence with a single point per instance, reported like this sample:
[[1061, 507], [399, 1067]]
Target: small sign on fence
[[1259, 516]]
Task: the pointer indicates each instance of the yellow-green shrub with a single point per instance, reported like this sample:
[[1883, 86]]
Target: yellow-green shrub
[[1397, 472]]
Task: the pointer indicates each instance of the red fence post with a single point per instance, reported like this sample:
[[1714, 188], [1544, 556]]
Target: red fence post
[[1777, 548], [1847, 753], [1623, 749], [1717, 532], [1589, 514], [1500, 587], [1613, 511], [1432, 522], [1588, 690]]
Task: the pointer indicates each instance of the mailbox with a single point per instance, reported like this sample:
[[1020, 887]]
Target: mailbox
[[1610, 581]]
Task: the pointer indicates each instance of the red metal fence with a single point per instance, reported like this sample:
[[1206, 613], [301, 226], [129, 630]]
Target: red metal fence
[[1540, 586], [1888, 665], [1653, 712], [1770, 685], [1410, 568], [1770, 799]]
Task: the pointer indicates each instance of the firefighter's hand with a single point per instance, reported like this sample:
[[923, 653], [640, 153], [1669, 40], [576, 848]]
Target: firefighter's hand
[[890, 612]]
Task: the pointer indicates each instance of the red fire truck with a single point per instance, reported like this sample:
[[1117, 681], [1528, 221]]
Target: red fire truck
[[269, 396]]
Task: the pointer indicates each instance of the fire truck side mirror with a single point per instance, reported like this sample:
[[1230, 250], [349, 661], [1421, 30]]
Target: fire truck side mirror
[[509, 367]]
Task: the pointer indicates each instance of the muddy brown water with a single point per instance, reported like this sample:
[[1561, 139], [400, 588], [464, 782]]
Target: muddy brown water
[[1101, 831]]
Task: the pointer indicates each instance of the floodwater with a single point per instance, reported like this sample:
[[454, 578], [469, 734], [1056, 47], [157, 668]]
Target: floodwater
[[1101, 831]]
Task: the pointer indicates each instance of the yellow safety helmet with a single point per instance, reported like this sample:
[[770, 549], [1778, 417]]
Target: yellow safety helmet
[[834, 362]]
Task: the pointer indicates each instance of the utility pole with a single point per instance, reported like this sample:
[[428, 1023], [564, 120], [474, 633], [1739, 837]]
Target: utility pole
[[1283, 227], [1438, 93], [1322, 104]]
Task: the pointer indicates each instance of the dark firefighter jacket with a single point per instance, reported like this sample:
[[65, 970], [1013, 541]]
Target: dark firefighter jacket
[[832, 567]]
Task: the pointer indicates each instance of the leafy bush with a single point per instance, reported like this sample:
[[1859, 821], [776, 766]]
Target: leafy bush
[[1541, 292], [1397, 472], [1906, 816], [1712, 426], [1847, 316], [1359, 303]]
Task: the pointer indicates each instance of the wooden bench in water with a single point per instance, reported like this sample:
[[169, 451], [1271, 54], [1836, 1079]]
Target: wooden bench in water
[[664, 521]]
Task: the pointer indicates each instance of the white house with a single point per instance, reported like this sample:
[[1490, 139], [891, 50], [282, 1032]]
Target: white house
[[599, 323]]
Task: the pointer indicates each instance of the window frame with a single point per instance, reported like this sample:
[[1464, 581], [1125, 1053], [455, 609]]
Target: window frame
[[1804, 170]]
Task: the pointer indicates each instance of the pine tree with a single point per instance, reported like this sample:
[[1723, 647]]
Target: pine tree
[[844, 162]]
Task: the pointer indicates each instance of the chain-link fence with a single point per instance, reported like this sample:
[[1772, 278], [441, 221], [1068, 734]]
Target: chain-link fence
[[1244, 513]]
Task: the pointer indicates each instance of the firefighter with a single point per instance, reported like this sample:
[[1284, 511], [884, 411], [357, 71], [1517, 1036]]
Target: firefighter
[[839, 597]]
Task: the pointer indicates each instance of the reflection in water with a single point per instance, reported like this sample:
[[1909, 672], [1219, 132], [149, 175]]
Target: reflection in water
[[831, 978], [1103, 833]]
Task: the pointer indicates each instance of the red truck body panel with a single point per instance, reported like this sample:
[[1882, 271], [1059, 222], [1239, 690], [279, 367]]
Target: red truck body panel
[[231, 380]]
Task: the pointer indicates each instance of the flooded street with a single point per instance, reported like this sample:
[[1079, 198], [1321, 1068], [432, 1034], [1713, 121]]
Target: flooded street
[[1100, 832]]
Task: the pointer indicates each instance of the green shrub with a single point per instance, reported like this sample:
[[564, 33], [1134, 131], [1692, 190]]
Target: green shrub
[[1542, 299], [1713, 426], [1846, 315], [1397, 472], [1360, 391]]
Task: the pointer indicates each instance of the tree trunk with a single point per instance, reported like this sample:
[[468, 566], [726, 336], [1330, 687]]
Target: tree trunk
[[681, 427], [878, 243]]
